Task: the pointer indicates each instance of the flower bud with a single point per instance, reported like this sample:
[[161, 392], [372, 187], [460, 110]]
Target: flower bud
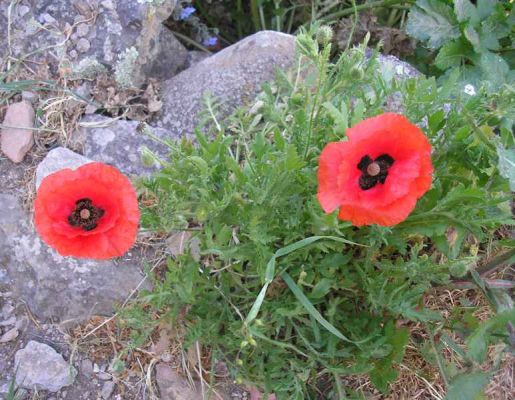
[[324, 35]]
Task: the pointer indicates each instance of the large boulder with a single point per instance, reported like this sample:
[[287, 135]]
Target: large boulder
[[62, 289], [101, 30], [234, 75], [121, 143]]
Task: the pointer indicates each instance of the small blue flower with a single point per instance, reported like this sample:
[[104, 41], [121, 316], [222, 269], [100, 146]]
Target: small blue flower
[[210, 41], [186, 13]]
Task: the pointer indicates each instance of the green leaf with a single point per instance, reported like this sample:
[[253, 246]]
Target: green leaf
[[465, 11], [473, 37], [432, 21], [485, 8], [507, 164], [340, 117], [477, 342], [467, 386], [494, 68], [313, 311], [452, 54]]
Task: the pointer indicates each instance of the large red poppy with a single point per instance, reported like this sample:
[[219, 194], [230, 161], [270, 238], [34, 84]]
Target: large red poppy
[[90, 212], [377, 176]]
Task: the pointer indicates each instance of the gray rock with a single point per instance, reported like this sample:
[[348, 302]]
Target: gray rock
[[86, 367], [107, 390], [16, 136], [57, 159], [119, 143], [119, 25], [233, 75], [173, 386], [63, 289], [196, 56], [10, 335], [40, 367], [83, 45]]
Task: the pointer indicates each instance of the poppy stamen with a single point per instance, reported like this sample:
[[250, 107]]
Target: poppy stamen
[[85, 215], [374, 171]]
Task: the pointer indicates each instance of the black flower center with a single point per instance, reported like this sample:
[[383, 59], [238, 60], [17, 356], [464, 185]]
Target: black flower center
[[374, 171], [85, 215]]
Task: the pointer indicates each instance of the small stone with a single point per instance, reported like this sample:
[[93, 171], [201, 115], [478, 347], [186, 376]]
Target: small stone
[[47, 18], [7, 310], [173, 386], [9, 335], [21, 323], [104, 376], [83, 45], [8, 322], [107, 390], [86, 367], [17, 137], [57, 159], [82, 30], [23, 10], [73, 54], [108, 4], [40, 367], [31, 97]]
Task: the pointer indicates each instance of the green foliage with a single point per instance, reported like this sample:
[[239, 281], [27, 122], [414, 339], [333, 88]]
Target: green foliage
[[467, 387], [475, 38], [293, 299]]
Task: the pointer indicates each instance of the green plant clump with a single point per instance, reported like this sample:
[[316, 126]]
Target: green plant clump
[[476, 38], [294, 300]]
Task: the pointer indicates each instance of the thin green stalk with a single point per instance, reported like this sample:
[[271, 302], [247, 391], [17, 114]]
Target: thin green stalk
[[437, 356], [361, 7], [354, 23], [239, 10], [254, 11]]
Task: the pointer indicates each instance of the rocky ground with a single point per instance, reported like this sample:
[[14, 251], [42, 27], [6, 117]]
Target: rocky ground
[[54, 311]]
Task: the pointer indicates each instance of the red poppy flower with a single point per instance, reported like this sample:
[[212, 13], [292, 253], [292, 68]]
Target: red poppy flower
[[377, 176], [90, 212]]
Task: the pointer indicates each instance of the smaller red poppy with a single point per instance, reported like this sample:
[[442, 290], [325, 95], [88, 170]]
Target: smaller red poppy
[[377, 176], [90, 212]]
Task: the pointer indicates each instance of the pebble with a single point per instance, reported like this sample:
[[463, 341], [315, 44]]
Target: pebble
[[23, 10], [9, 335], [107, 390], [40, 367], [83, 45], [86, 367], [7, 310], [82, 30], [73, 54], [108, 4], [31, 97], [104, 376], [8, 322], [17, 140]]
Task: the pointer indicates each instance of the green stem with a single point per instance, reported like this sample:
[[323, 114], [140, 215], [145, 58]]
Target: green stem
[[361, 7], [255, 14], [437, 355]]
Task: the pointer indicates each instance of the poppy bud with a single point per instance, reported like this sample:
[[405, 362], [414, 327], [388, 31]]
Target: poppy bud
[[324, 35]]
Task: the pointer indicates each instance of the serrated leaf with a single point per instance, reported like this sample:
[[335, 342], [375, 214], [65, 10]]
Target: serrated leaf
[[507, 165], [467, 386], [485, 8], [340, 117], [473, 37], [465, 11], [432, 21], [452, 54], [477, 342], [494, 68]]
